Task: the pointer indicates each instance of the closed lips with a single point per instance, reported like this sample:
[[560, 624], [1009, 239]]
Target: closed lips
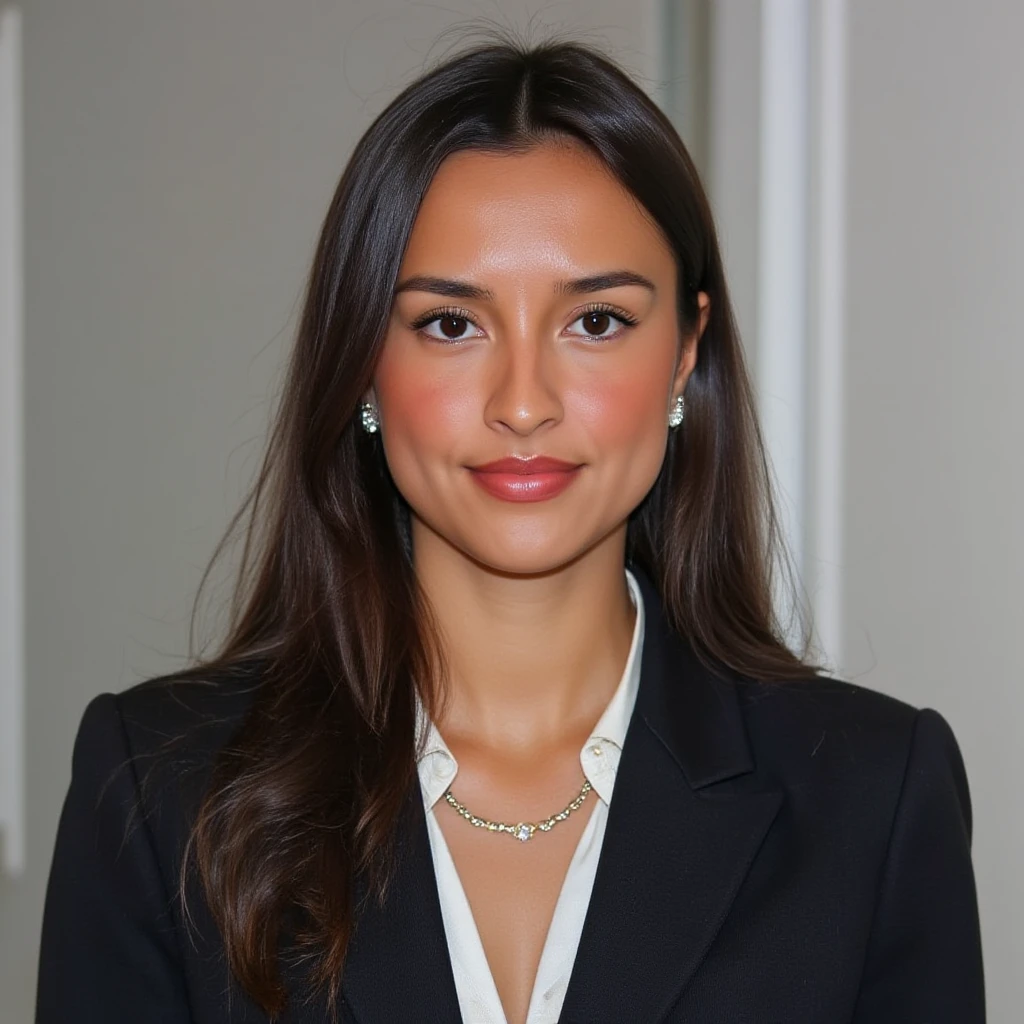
[[537, 464]]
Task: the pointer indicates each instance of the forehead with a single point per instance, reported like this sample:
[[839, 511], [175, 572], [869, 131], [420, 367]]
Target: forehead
[[550, 209]]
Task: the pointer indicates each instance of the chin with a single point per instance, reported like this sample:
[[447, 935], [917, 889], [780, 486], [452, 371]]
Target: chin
[[511, 559]]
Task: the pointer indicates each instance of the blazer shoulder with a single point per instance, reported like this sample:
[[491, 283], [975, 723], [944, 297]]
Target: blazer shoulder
[[191, 713], [829, 727], [161, 737], [824, 698]]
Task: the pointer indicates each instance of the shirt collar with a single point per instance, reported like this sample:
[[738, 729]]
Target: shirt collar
[[599, 756]]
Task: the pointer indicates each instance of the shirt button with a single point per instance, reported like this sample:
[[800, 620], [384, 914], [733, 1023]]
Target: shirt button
[[596, 750]]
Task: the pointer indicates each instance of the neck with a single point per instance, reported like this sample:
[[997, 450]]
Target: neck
[[533, 659]]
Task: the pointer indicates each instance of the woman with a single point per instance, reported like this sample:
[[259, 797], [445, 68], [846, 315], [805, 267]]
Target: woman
[[505, 729]]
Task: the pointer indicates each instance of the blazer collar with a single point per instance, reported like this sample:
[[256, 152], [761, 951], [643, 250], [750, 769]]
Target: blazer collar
[[680, 837], [677, 847], [693, 711]]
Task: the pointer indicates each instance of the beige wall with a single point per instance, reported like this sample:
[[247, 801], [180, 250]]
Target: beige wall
[[934, 559], [179, 159]]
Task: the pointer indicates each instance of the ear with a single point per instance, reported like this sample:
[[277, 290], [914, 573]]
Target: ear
[[369, 397], [688, 355]]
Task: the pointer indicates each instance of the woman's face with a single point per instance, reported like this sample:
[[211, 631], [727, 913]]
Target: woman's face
[[499, 345]]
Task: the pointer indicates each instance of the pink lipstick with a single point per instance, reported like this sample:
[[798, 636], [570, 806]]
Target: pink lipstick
[[533, 479]]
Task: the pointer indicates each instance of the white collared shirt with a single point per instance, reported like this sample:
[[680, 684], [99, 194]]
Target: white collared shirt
[[599, 758]]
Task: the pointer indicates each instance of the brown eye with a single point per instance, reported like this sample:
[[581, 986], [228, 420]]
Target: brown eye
[[602, 324], [452, 326], [447, 326]]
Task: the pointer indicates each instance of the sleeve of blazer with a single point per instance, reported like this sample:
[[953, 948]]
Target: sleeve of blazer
[[109, 950], [923, 962]]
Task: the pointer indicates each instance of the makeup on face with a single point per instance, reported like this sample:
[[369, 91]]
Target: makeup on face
[[536, 478], [525, 382]]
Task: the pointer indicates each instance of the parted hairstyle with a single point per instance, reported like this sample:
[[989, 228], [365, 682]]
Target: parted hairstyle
[[307, 797]]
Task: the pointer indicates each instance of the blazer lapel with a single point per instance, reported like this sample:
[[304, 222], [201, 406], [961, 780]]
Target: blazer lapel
[[676, 846], [398, 967]]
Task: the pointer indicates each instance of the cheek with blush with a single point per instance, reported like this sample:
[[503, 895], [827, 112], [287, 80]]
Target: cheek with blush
[[623, 416], [424, 417]]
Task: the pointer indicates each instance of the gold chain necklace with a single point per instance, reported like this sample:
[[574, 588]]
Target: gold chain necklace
[[522, 830]]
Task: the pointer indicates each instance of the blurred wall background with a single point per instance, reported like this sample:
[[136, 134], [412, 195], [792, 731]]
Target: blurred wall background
[[178, 161], [934, 476]]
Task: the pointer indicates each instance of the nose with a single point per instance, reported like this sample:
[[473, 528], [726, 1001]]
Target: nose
[[524, 384]]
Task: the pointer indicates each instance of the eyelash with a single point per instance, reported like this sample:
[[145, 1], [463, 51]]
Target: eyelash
[[458, 313]]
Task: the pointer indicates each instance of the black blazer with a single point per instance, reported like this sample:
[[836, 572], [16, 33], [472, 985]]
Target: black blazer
[[775, 854]]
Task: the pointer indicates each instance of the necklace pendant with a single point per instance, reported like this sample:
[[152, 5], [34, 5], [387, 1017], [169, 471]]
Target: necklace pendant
[[523, 832]]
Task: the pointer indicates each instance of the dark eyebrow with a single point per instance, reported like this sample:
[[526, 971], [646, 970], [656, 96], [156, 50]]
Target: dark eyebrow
[[454, 289], [444, 286], [598, 282]]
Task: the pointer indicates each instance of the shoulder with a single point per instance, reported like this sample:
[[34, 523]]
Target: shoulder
[[876, 800], [823, 711], [191, 714], [153, 746], [113, 920], [840, 738], [194, 713]]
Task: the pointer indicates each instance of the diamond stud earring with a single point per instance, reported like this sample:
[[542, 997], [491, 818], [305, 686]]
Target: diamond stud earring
[[675, 417], [371, 423]]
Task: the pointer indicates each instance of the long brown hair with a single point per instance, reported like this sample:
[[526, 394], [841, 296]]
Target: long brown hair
[[308, 794]]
